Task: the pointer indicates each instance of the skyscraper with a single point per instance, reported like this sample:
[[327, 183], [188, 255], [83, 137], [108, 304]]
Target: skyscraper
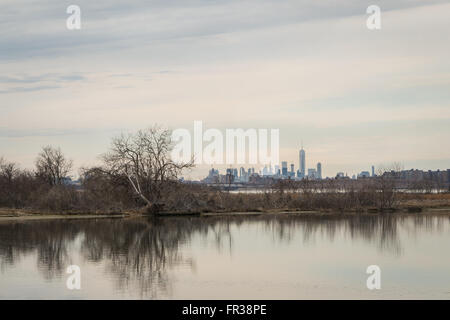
[[312, 174], [302, 162], [373, 171], [277, 169], [319, 170], [284, 169]]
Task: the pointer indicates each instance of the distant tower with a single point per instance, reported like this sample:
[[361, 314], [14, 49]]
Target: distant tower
[[302, 161], [319, 170], [284, 169], [292, 167], [373, 171]]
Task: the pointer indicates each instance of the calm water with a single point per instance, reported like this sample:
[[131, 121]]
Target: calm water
[[285, 257]]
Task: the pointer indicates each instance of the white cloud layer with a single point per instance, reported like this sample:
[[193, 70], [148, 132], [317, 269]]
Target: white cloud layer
[[310, 68]]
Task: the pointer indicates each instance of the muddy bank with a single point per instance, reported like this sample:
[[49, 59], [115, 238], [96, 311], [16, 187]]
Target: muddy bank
[[17, 215]]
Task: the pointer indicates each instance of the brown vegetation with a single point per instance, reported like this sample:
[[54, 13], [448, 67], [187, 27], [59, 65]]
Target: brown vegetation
[[137, 175]]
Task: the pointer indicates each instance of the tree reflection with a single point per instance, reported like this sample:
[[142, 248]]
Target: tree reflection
[[141, 252]]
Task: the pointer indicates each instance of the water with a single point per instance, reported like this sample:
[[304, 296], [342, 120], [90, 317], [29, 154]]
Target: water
[[262, 257]]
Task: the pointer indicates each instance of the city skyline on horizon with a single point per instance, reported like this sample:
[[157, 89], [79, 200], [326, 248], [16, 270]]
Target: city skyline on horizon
[[199, 171], [370, 169]]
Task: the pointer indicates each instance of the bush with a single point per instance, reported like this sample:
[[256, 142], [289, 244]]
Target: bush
[[58, 198]]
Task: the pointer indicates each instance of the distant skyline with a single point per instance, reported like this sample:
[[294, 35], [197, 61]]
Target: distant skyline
[[302, 167], [356, 97]]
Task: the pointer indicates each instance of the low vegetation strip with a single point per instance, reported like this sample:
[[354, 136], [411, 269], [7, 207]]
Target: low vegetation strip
[[138, 177]]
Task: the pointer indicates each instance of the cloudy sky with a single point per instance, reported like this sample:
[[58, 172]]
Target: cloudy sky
[[310, 68]]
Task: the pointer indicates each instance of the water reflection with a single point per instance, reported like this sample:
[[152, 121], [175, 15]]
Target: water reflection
[[141, 252]]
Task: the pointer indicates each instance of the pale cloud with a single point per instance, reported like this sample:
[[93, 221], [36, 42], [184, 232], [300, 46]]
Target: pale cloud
[[310, 68]]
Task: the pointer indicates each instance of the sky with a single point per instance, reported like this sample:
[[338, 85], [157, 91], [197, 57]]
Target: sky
[[312, 69]]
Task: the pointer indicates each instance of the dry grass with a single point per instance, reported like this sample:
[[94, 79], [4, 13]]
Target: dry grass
[[432, 200]]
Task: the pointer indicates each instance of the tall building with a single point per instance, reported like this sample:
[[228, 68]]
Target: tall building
[[284, 169], [364, 174], [312, 174], [292, 172], [302, 161], [213, 172], [373, 171], [243, 175], [319, 170]]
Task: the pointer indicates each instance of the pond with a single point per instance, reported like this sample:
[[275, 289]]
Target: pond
[[282, 256]]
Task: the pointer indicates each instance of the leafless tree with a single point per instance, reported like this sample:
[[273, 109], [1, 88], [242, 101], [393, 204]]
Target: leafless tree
[[52, 166], [386, 182], [8, 170], [144, 159], [16, 185]]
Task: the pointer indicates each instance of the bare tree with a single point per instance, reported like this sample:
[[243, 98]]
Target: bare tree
[[386, 182], [16, 185], [8, 170], [144, 159], [52, 166]]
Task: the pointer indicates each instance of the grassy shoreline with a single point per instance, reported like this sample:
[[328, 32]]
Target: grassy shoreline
[[436, 204], [28, 214]]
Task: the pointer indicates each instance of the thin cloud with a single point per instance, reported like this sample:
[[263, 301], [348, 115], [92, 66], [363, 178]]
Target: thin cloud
[[28, 89], [41, 78], [123, 24]]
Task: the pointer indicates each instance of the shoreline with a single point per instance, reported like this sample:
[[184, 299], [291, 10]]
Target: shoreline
[[30, 215]]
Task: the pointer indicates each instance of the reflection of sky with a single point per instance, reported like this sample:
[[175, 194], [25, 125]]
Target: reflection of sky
[[254, 261], [319, 268], [312, 70]]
